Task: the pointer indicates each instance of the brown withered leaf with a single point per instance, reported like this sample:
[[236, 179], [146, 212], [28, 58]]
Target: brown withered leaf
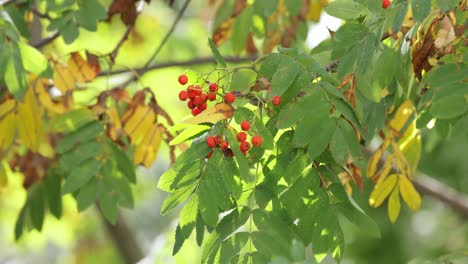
[[224, 30], [32, 165], [250, 45], [350, 94], [127, 10]]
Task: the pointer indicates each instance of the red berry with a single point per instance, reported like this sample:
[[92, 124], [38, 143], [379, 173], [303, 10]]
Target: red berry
[[191, 94], [209, 154], [197, 89], [203, 107], [213, 87], [211, 96], [241, 136], [183, 79], [257, 140], [385, 3], [276, 100], [211, 142], [190, 104], [190, 89], [224, 145], [218, 139], [196, 111], [244, 146], [183, 95], [203, 97], [229, 98], [197, 101], [245, 125]]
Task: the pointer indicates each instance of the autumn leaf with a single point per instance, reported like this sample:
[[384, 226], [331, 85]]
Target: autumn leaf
[[383, 190], [213, 114], [394, 205], [409, 193]]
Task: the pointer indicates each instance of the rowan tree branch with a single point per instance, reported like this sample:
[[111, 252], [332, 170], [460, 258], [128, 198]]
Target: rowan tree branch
[[429, 186], [169, 33], [46, 41], [196, 61], [123, 238]]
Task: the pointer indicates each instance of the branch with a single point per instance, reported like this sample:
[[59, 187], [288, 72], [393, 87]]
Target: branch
[[114, 53], [169, 33], [432, 187], [197, 61], [443, 193], [46, 41], [124, 239]]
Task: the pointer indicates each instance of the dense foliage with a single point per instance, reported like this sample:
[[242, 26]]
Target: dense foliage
[[266, 166]]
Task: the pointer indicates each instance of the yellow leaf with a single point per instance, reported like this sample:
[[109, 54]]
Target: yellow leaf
[[375, 158], [401, 116], [315, 9], [143, 128], [113, 123], [385, 170], [4, 169], [29, 121], [7, 128], [401, 161], [394, 205], [382, 190], [412, 151], [147, 150], [212, 115], [45, 99], [154, 148], [6, 107], [409, 194], [136, 117]]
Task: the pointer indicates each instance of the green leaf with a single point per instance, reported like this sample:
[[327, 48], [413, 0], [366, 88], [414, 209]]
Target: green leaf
[[179, 241], [87, 195], [81, 175], [188, 216], [269, 245], [402, 10], [421, 9], [265, 8], [15, 76], [189, 133], [346, 36], [284, 76], [345, 9], [124, 163], [177, 198], [33, 60], [339, 147], [54, 196], [447, 5], [219, 58], [89, 13], [73, 159], [293, 7], [72, 120], [317, 132], [449, 107], [36, 205], [241, 29], [108, 204], [200, 229], [231, 247], [83, 134], [20, 222]]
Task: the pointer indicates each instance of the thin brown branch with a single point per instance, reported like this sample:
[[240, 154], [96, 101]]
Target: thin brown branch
[[123, 238], [169, 33], [115, 52], [46, 41], [197, 61]]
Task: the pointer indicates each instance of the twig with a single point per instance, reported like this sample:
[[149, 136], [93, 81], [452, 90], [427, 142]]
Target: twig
[[330, 66], [169, 33], [197, 61], [46, 41], [40, 15], [114, 53]]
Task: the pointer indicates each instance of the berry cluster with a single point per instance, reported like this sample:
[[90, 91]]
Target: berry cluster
[[197, 99], [242, 138], [219, 141]]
